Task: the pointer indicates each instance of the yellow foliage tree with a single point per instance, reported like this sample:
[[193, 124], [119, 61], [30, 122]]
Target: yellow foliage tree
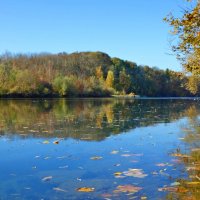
[[110, 79], [99, 73]]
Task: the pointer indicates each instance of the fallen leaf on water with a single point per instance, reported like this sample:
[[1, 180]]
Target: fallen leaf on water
[[47, 178], [138, 173], [117, 173], [96, 158], [169, 189], [161, 164], [59, 189], [126, 155], [127, 188], [85, 189], [45, 142], [114, 152]]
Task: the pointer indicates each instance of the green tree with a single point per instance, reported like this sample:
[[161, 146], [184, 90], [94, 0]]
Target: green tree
[[124, 81]]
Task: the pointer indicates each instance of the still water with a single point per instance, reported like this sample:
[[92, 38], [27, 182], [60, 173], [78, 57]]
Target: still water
[[100, 149]]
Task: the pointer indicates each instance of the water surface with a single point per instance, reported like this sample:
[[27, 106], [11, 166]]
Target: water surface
[[117, 149]]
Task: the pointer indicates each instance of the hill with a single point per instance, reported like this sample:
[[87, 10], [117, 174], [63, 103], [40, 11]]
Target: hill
[[84, 74]]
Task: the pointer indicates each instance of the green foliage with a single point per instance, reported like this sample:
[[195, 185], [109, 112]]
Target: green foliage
[[124, 81]]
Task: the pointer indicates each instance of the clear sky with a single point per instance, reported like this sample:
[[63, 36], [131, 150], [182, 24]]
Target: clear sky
[[129, 29]]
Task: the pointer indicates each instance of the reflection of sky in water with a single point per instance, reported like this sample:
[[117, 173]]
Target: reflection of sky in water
[[25, 162]]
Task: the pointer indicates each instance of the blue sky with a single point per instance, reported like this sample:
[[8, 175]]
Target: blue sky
[[130, 29]]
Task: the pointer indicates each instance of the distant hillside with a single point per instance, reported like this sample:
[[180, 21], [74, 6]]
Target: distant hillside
[[84, 74]]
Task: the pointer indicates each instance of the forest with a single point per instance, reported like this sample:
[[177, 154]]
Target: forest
[[85, 74]]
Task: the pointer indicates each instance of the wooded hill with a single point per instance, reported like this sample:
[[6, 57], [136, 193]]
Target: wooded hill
[[85, 74]]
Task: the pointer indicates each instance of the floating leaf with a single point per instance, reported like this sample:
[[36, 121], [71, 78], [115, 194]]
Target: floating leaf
[[126, 155], [138, 173], [45, 142], [47, 178], [85, 189], [127, 188], [114, 152], [163, 164], [59, 189], [96, 158], [169, 189]]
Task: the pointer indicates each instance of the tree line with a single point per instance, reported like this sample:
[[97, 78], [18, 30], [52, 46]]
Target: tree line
[[85, 74]]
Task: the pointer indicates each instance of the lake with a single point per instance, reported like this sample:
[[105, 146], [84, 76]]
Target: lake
[[100, 149]]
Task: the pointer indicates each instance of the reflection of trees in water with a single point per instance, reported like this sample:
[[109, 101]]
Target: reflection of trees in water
[[86, 119], [191, 186]]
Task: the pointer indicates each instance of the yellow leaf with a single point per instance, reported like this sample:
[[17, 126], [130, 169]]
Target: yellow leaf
[[117, 173], [85, 189], [45, 142]]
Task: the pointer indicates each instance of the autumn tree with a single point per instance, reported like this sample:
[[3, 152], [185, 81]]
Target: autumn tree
[[99, 73], [187, 31], [110, 79]]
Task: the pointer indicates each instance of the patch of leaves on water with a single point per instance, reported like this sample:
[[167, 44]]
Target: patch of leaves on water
[[127, 189], [163, 164], [137, 173]]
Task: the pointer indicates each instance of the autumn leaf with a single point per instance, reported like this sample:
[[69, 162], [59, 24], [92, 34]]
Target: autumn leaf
[[127, 188], [96, 158], [45, 142], [85, 189]]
